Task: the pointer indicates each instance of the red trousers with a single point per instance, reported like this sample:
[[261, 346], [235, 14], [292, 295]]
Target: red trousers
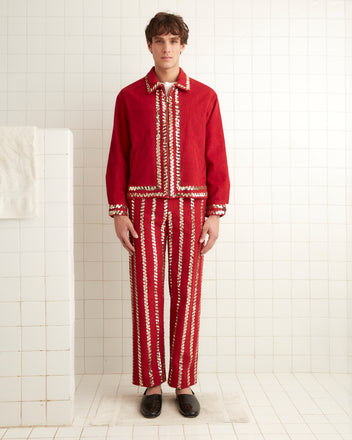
[[178, 221]]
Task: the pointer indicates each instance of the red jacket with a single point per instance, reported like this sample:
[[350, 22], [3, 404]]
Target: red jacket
[[167, 147]]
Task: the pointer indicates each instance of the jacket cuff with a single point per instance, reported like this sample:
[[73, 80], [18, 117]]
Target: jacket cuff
[[216, 209], [118, 209]]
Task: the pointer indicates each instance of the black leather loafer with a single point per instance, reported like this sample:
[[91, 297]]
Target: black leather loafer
[[151, 404], [188, 404]]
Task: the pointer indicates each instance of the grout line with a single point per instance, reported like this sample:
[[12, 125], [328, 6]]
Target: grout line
[[271, 202], [312, 375], [252, 263], [7, 62], [249, 406], [309, 242], [44, 243], [216, 248], [321, 383], [83, 224], [272, 405], [85, 425], [290, 192], [293, 403], [222, 395], [233, 197], [102, 223], [347, 202], [329, 264]]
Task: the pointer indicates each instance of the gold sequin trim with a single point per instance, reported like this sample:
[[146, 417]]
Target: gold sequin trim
[[214, 205], [143, 188], [156, 297], [118, 209], [170, 151], [179, 276], [163, 240], [177, 137], [158, 163], [118, 206], [215, 209], [165, 117], [134, 298], [145, 293], [132, 194], [170, 250], [187, 86], [200, 280], [189, 291], [178, 151], [195, 316], [157, 84], [151, 89], [171, 147]]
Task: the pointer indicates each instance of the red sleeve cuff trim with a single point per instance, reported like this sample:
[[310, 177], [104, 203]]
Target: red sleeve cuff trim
[[118, 209], [215, 209]]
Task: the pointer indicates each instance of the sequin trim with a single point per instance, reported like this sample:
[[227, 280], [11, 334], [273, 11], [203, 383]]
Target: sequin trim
[[189, 291], [163, 237], [165, 143], [156, 295], [158, 164], [118, 209], [150, 89], [134, 299], [178, 152], [171, 145], [196, 319], [215, 209], [179, 276], [132, 194], [145, 293], [167, 114]]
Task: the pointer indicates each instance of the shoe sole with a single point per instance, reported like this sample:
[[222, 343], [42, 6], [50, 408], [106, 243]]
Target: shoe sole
[[188, 415], [151, 416]]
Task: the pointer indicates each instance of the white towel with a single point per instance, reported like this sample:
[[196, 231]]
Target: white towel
[[18, 182]]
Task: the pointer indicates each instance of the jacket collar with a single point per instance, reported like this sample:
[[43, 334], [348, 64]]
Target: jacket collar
[[152, 82]]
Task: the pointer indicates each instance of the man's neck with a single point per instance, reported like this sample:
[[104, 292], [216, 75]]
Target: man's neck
[[169, 75]]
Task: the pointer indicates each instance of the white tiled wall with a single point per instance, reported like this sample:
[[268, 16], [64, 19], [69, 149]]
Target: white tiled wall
[[37, 296], [276, 288]]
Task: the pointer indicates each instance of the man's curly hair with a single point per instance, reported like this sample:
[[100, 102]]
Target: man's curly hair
[[164, 23]]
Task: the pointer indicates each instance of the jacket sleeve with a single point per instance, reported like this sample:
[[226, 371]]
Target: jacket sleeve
[[218, 181], [117, 170]]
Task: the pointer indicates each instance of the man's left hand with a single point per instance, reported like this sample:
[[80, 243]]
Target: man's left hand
[[210, 227]]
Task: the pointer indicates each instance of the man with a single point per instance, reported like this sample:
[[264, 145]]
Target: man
[[167, 182]]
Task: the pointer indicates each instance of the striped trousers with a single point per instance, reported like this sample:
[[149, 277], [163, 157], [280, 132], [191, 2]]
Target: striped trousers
[[177, 221]]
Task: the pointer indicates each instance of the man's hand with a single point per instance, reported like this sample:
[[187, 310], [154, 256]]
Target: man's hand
[[211, 227], [122, 225]]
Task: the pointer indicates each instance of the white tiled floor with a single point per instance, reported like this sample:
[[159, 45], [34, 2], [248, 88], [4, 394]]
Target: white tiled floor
[[280, 406]]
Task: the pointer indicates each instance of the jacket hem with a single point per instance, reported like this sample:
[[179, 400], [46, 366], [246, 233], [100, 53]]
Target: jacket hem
[[132, 194]]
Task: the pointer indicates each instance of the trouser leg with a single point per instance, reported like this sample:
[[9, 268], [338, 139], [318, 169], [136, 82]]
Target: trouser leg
[[146, 268], [185, 220]]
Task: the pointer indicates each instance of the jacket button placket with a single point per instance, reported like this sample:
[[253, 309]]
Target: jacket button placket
[[169, 144]]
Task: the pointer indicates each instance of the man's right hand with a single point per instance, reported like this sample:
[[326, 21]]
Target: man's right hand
[[123, 224]]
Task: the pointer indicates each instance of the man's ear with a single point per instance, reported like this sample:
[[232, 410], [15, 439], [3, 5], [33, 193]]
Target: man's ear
[[183, 46], [149, 45]]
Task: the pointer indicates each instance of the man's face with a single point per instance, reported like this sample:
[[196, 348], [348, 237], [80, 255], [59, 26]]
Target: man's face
[[166, 50]]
